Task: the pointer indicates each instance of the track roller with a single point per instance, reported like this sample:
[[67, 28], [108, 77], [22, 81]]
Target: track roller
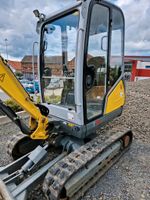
[[20, 145]]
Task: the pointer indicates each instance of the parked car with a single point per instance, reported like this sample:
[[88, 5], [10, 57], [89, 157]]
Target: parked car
[[30, 86], [24, 82]]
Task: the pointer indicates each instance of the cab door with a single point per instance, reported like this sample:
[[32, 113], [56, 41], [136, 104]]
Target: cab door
[[95, 61]]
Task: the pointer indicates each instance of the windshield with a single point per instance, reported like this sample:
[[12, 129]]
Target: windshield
[[58, 60]]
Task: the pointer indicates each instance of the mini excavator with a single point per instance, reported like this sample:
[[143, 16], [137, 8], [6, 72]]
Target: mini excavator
[[81, 80]]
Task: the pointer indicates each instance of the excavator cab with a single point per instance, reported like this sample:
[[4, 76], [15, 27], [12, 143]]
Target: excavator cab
[[81, 65], [81, 88]]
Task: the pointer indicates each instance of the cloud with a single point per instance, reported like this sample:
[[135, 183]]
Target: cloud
[[17, 24], [137, 18]]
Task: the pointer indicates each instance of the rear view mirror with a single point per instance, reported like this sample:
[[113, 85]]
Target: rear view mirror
[[104, 40], [38, 27]]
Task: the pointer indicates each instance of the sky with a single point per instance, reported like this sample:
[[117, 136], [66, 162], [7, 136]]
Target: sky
[[17, 25]]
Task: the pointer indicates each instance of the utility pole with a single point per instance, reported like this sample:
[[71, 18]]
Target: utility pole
[[6, 40], [33, 65]]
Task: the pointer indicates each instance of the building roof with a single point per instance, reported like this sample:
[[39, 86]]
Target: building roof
[[131, 58], [15, 64], [28, 59], [54, 60], [128, 58], [58, 59], [50, 60]]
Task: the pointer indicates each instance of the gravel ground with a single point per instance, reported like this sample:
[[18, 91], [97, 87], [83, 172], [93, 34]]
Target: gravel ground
[[129, 178]]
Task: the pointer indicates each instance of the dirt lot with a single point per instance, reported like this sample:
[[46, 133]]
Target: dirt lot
[[129, 179]]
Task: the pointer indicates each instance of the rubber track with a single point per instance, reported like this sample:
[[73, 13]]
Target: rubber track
[[96, 177], [62, 171], [13, 141]]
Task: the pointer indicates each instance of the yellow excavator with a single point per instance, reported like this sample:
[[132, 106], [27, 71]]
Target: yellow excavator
[[81, 80]]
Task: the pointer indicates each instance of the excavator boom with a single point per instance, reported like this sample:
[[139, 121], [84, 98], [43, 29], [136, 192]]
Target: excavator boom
[[13, 88]]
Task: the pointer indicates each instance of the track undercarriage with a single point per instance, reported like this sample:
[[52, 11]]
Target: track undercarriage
[[69, 175]]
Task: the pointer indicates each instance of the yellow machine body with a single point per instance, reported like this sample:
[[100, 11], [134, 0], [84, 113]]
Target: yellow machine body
[[13, 88], [116, 98]]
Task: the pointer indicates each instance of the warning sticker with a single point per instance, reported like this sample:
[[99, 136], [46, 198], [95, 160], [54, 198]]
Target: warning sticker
[[2, 76]]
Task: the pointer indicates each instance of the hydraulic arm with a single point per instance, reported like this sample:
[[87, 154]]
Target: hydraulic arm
[[38, 124]]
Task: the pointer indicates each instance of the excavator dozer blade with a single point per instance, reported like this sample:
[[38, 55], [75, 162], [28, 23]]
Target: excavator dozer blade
[[6, 187], [16, 183], [4, 193]]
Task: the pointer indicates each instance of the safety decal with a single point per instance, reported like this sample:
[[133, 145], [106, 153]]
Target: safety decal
[[2, 76]]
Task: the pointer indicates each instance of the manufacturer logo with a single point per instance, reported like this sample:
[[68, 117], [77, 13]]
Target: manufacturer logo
[[2, 76]]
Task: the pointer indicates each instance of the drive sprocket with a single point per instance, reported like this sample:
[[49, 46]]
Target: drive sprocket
[[20, 145]]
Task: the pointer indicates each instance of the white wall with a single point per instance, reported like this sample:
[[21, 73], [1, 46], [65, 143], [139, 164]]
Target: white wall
[[141, 65]]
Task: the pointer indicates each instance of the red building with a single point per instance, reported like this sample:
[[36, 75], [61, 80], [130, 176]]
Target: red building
[[54, 63], [137, 66], [16, 65]]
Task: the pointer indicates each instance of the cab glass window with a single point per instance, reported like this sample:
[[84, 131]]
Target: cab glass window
[[96, 61], [116, 53], [58, 59]]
